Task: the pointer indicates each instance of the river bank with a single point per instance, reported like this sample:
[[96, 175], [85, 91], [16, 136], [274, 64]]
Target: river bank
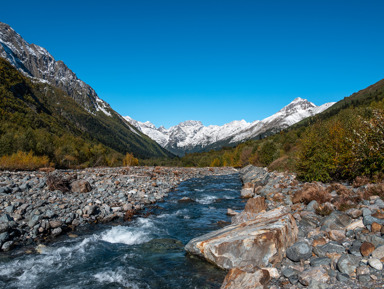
[[299, 235], [36, 207]]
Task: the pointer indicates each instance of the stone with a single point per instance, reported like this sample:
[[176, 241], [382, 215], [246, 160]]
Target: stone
[[4, 227], [288, 272], [317, 274], [335, 221], [368, 220], [336, 235], [252, 208], [185, 200], [33, 221], [355, 248], [247, 193], [364, 278], [354, 213], [322, 261], [89, 210], [231, 212], [81, 186], [330, 247], [3, 237], [354, 225], [255, 205], [342, 277], [378, 253], [375, 263], [312, 205], [299, 251], [57, 231], [375, 227], [362, 270], [5, 218], [347, 264], [237, 278], [260, 242], [366, 249], [319, 242], [273, 272], [55, 224], [7, 246]]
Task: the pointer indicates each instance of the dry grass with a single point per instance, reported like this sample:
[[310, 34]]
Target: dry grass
[[360, 181], [310, 192], [374, 190]]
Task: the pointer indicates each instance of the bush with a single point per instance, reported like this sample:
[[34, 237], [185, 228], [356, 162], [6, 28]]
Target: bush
[[23, 161], [129, 160]]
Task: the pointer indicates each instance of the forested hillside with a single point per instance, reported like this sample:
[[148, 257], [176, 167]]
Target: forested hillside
[[39, 118]]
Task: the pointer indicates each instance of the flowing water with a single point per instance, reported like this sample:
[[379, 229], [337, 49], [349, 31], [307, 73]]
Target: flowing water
[[145, 253]]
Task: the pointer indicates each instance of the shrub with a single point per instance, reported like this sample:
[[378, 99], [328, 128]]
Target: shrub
[[129, 160], [23, 161]]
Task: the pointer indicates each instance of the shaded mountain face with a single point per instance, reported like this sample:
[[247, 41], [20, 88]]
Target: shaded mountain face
[[97, 119], [193, 136]]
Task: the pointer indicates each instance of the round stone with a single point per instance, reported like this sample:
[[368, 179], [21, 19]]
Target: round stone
[[375, 263], [299, 251]]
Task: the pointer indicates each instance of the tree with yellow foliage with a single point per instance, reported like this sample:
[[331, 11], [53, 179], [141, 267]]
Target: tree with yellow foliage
[[129, 160]]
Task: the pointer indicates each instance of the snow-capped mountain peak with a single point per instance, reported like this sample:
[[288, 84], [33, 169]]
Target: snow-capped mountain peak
[[193, 136]]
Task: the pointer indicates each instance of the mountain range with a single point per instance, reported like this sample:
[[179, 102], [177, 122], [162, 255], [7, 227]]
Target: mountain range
[[192, 136], [52, 81]]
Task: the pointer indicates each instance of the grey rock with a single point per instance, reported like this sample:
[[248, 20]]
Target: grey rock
[[368, 220], [4, 227], [4, 237], [366, 212], [355, 248], [57, 231], [322, 261], [33, 220], [5, 218], [335, 221], [347, 264], [299, 251], [5, 190], [379, 203], [342, 277], [330, 247], [364, 278], [312, 205], [288, 272], [7, 246], [375, 263]]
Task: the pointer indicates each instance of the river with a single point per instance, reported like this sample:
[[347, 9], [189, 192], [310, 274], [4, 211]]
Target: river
[[144, 253]]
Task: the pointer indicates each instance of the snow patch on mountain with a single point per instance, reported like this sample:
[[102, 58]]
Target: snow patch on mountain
[[192, 135]]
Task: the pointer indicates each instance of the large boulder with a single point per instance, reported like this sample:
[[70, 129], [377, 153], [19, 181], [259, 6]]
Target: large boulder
[[81, 186], [259, 242]]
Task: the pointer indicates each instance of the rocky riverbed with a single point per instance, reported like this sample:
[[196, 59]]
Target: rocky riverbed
[[38, 206], [300, 235]]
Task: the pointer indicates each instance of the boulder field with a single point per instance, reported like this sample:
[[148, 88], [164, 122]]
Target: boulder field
[[299, 235]]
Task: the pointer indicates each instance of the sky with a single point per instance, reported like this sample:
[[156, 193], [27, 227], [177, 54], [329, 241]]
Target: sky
[[214, 61]]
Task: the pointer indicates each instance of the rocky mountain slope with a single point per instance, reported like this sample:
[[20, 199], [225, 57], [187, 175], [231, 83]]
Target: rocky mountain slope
[[193, 136], [49, 80]]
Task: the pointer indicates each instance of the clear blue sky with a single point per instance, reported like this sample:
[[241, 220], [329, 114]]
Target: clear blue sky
[[214, 61]]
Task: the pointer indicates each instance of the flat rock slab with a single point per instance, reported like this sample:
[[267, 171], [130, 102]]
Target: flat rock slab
[[259, 242]]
